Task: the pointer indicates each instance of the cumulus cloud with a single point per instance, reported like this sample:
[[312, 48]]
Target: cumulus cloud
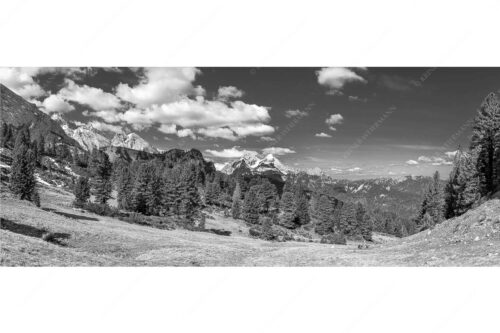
[[335, 78], [20, 80], [161, 85], [334, 119], [267, 139], [209, 118], [295, 113], [234, 152], [357, 99], [100, 126], [322, 135], [225, 93], [95, 98], [437, 160], [411, 162], [278, 151], [56, 104], [355, 169], [109, 116], [424, 159]]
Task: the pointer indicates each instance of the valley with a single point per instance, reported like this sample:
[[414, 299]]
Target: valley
[[92, 240]]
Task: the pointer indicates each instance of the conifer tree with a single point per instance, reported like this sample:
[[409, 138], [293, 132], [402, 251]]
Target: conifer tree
[[189, 201], [462, 189], [81, 191], [324, 211], [140, 189], [288, 215], [236, 202], [348, 222], [485, 140], [22, 177], [125, 189], [302, 206], [100, 170], [364, 223], [154, 193], [251, 206], [433, 203]]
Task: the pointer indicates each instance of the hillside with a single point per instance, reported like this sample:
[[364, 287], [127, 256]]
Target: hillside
[[16, 111], [84, 239]]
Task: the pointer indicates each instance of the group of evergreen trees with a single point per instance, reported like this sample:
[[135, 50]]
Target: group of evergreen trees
[[475, 173], [22, 180]]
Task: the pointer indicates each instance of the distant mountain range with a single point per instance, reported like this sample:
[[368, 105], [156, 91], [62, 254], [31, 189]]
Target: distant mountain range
[[251, 164], [91, 138]]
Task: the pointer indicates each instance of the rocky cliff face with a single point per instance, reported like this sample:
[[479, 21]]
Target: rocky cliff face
[[16, 111], [132, 141]]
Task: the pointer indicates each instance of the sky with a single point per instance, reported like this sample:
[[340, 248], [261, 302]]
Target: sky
[[349, 122]]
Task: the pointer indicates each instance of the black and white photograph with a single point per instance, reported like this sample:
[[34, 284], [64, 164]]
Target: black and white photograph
[[331, 166], [264, 166]]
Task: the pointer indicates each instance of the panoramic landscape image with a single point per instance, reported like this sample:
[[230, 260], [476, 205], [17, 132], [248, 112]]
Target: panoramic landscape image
[[240, 166]]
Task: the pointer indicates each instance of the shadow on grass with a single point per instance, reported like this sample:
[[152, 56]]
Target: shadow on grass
[[30, 231], [69, 215]]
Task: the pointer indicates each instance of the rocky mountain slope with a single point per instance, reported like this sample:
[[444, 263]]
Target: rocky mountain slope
[[91, 138], [132, 141], [16, 111], [255, 164]]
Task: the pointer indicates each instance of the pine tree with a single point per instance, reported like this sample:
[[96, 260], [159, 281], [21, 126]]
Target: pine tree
[[189, 203], [100, 170], [251, 206], [154, 193], [462, 189], [140, 189], [288, 217], [302, 206], [81, 191], [485, 140], [348, 222], [236, 202], [364, 223], [125, 189], [324, 211], [433, 202], [22, 177]]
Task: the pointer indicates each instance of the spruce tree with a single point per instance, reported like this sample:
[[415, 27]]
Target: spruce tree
[[302, 206], [251, 206], [125, 189], [81, 191], [140, 189], [189, 200], [462, 189], [324, 211], [288, 215], [433, 203], [364, 222], [485, 140], [100, 170], [154, 193], [236, 202], [22, 177], [348, 222]]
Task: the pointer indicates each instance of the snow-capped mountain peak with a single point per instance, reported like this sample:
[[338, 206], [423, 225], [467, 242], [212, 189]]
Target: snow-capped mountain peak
[[255, 164]]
